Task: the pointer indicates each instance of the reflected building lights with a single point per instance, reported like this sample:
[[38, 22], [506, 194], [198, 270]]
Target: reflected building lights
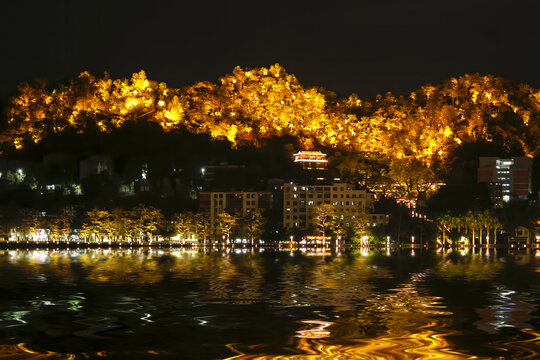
[[317, 329], [399, 321]]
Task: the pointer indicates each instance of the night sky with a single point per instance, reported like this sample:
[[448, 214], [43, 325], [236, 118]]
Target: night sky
[[366, 47]]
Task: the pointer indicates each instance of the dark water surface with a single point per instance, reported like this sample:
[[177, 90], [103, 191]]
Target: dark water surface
[[183, 304]]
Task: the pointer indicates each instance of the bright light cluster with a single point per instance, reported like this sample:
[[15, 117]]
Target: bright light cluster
[[251, 104]]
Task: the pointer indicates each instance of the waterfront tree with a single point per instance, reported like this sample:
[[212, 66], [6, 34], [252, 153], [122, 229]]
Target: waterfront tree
[[29, 222], [225, 224], [146, 221], [203, 225], [121, 223], [97, 225], [64, 219], [184, 223], [325, 218], [254, 223]]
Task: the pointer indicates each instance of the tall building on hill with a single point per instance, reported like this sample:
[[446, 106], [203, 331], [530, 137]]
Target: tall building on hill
[[311, 160], [507, 178]]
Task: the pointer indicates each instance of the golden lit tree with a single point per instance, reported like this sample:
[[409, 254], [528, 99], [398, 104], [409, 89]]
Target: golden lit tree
[[412, 180], [184, 224], [121, 224], [254, 222], [325, 218], [226, 223], [29, 222], [97, 225], [251, 104], [64, 219], [145, 221], [203, 225]]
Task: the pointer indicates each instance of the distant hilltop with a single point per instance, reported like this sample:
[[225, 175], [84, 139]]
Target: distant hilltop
[[249, 105]]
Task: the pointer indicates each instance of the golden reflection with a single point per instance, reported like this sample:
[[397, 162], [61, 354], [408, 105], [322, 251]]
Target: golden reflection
[[405, 320], [410, 325], [469, 268], [22, 351], [528, 349], [317, 332], [425, 344]]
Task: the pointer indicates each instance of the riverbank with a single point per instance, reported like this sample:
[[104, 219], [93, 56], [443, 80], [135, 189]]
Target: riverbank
[[12, 245]]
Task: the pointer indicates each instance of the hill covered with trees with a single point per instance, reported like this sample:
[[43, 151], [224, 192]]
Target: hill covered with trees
[[250, 105]]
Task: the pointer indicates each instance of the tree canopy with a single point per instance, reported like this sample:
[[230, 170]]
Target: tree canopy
[[250, 105]]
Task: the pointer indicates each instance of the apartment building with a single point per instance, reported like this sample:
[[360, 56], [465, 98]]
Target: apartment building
[[300, 203], [240, 202]]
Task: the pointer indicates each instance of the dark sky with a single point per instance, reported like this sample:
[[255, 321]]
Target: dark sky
[[367, 47]]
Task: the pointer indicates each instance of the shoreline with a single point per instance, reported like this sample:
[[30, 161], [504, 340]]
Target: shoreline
[[283, 247]]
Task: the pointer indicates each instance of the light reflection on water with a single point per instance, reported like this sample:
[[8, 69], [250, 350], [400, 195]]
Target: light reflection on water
[[139, 303]]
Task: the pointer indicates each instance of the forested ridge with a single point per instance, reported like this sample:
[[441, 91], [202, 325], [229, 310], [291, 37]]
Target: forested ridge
[[250, 105]]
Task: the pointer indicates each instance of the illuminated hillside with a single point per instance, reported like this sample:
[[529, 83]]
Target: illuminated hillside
[[251, 104]]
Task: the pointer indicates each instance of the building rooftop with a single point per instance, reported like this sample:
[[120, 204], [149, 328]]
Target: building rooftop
[[310, 153]]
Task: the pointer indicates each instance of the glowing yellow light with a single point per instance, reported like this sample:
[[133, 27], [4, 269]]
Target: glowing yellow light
[[447, 131], [277, 104]]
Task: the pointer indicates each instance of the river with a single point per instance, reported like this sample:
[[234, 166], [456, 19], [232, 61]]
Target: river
[[192, 304]]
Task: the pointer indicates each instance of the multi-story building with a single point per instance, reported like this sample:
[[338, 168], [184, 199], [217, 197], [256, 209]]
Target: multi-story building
[[507, 178], [240, 202], [301, 201]]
